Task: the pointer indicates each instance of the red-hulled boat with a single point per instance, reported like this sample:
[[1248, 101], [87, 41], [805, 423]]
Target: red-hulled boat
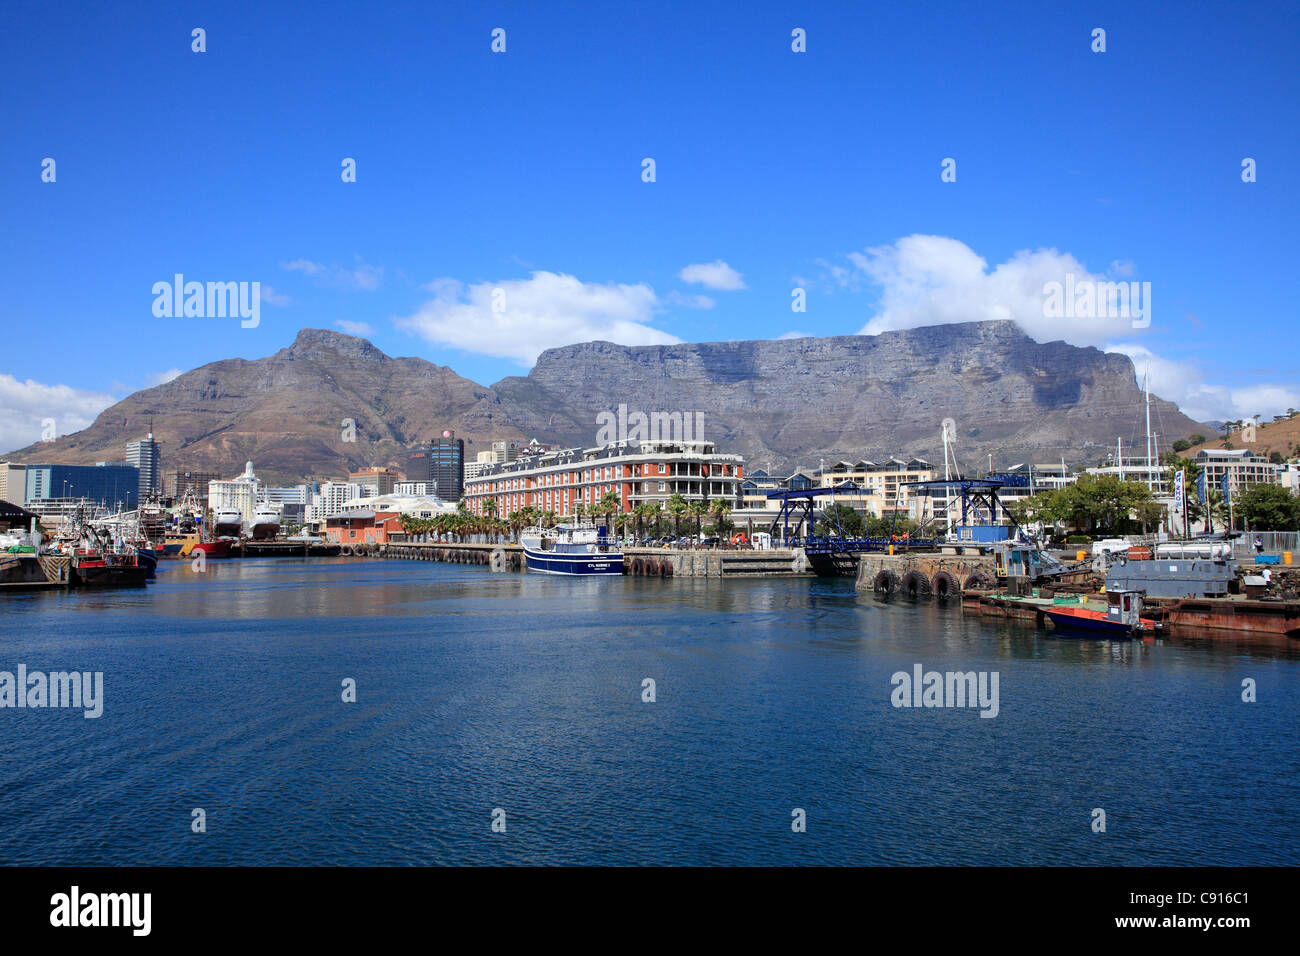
[[220, 548], [1122, 617]]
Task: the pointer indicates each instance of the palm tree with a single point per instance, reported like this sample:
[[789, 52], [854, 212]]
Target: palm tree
[[719, 508], [642, 511], [609, 506], [677, 507], [697, 510], [654, 511]]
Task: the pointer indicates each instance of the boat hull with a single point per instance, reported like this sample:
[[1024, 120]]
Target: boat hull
[[96, 574], [212, 549], [581, 565], [1087, 624], [147, 558]]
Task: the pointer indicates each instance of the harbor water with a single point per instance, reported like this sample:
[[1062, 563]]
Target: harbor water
[[486, 696]]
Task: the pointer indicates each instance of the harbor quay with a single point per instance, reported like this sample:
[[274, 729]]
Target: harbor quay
[[638, 562]]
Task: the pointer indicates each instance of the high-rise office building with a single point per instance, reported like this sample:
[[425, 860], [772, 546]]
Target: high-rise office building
[[440, 464], [145, 455]]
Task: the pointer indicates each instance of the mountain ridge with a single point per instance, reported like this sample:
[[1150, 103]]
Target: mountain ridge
[[787, 402]]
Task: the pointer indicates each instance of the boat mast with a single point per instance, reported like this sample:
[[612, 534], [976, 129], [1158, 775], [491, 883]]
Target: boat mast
[[1147, 385]]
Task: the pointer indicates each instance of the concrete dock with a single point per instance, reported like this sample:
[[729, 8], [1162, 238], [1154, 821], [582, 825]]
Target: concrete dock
[[638, 562]]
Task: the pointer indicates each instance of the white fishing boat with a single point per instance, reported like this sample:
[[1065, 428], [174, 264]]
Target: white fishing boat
[[578, 550]]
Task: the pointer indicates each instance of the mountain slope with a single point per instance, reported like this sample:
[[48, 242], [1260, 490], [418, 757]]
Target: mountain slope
[[284, 412], [793, 401], [783, 403]]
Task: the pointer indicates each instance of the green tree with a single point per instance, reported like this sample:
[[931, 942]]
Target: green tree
[[1181, 444], [677, 506], [1269, 508], [842, 516], [697, 509]]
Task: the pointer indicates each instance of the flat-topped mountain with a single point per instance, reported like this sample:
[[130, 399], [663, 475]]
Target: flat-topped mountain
[[786, 402], [793, 401]]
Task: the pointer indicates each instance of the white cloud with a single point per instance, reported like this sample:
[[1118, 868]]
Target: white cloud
[[546, 310], [270, 296], [162, 378], [794, 334], [714, 275], [24, 405], [1184, 383], [364, 277], [355, 328], [936, 280]]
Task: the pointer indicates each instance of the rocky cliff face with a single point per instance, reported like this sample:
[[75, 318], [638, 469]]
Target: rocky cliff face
[[285, 412], [794, 401], [787, 402]]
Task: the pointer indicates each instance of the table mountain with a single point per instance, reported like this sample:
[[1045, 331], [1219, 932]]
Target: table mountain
[[786, 403], [793, 401]]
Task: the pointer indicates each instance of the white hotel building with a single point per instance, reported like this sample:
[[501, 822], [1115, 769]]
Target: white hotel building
[[639, 472]]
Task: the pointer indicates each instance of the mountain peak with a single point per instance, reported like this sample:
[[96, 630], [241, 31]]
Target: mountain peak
[[310, 342]]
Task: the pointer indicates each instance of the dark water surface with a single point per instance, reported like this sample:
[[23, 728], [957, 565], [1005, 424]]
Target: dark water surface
[[478, 690]]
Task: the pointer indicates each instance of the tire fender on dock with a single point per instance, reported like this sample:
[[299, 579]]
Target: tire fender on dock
[[915, 585], [979, 581], [886, 582], [945, 585]]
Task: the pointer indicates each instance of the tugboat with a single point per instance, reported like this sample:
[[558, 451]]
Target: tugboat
[[1122, 617], [570, 550]]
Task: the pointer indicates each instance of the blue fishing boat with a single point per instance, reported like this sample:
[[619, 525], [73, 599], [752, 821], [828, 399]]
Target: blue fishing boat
[[570, 550]]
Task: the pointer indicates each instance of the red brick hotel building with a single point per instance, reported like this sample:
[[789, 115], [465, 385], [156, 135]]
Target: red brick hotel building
[[639, 472]]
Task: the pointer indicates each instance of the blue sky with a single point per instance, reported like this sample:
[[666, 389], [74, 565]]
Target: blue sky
[[522, 172]]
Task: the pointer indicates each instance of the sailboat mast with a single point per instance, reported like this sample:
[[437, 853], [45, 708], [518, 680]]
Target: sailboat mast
[[1147, 385]]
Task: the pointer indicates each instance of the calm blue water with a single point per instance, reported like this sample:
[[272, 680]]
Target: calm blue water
[[480, 690]]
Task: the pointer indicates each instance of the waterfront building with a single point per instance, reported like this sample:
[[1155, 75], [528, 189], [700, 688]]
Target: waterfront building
[[1242, 466], [422, 488], [637, 472], [13, 483], [236, 494], [381, 481], [113, 485], [883, 490], [759, 483], [1152, 474], [330, 499], [145, 455], [378, 520], [1288, 477]]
